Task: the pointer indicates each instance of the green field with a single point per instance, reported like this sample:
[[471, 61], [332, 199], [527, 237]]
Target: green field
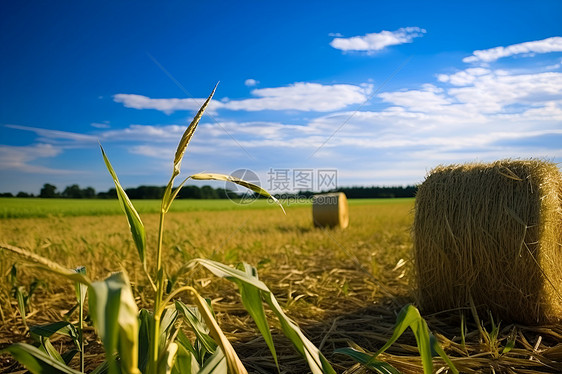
[[35, 207]]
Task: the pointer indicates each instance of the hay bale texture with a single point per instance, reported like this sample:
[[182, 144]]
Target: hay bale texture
[[492, 232], [330, 210]]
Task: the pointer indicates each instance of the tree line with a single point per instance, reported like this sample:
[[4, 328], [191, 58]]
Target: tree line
[[74, 191], [206, 192]]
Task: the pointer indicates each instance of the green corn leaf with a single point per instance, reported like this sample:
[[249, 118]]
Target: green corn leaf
[[241, 182], [69, 355], [47, 347], [185, 362], [145, 339], [167, 361], [61, 327], [367, 360], [510, 341], [114, 312], [409, 316], [19, 294], [225, 271], [316, 360], [437, 348], [102, 368], [187, 359], [216, 364], [235, 366], [37, 361], [193, 317], [252, 301], [135, 224], [167, 325]]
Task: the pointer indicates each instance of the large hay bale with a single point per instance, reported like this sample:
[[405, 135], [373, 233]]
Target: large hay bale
[[330, 210], [492, 232]]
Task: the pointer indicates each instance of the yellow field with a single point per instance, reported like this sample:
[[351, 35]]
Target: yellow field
[[340, 286]]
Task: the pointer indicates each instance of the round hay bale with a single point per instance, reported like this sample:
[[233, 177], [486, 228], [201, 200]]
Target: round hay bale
[[330, 210], [492, 232]]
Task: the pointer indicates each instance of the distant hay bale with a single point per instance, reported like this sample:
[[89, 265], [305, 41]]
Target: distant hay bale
[[330, 210], [493, 232]]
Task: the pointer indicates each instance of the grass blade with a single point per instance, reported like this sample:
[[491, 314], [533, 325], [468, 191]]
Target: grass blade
[[409, 316], [135, 224], [241, 182], [437, 348], [19, 295], [37, 361], [367, 360]]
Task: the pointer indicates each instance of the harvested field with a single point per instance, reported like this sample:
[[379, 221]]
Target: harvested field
[[341, 286]]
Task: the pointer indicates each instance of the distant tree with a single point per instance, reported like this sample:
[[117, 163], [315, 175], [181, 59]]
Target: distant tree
[[24, 194], [110, 194], [72, 192], [145, 192], [190, 192], [208, 192], [6, 194], [48, 191], [88, 193]]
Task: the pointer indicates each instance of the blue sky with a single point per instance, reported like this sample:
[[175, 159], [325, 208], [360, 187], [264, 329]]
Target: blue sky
[[381, 91]]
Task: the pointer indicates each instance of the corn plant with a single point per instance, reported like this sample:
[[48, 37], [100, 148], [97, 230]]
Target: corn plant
[[152, 341], [428, 346]]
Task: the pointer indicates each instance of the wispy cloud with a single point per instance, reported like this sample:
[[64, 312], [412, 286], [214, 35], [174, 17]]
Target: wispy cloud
[[102, 125], [376, 41], [55, 134], [303, 96], [251, 82], [21, 158], [300, 96], [553, 44], [164, 105]]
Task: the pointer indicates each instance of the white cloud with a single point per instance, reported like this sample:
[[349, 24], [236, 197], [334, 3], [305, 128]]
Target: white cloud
[[56, 134], [300, 96], [164, 105], [251, 82], [377, 41], [553, 44], [102, 125], [303, 96], [21, 158], [428, 99], [145, 133]]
